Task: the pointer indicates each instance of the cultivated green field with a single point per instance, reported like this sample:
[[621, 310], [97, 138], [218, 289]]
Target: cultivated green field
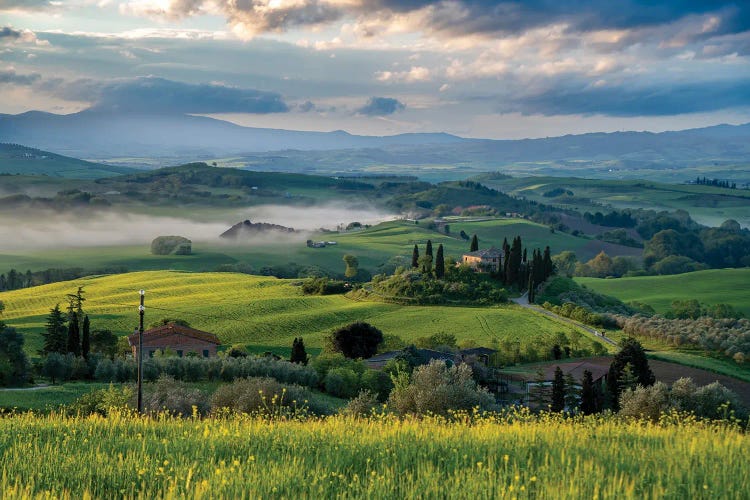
[[263, 313], [527, 457], [706, 204], [714, 286]]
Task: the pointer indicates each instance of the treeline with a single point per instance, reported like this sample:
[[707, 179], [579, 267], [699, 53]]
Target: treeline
[[715, 182], [725, 336], [15, 280], [612, 219]]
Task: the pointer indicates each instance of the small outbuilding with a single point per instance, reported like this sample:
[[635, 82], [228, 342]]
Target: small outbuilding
[[178, 338]]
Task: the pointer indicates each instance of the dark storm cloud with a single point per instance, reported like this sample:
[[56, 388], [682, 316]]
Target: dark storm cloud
[[10, 76], [8, 33], [381, 106], [160, 95], [624, 101]]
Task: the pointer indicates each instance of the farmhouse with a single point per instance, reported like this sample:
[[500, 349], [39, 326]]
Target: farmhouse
[[487, 260], [181, 339]]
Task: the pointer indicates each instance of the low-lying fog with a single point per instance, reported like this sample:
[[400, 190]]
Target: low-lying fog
[[55, 230]]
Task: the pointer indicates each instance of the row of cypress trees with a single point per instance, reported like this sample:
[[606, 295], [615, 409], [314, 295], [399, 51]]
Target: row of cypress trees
[[425, 262]]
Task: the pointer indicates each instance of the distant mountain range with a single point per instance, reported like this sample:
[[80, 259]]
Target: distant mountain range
[[178, 138]]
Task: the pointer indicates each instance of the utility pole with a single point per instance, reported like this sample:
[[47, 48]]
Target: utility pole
[[141, 310]]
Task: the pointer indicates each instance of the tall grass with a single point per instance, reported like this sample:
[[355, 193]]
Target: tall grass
[[532, 457]]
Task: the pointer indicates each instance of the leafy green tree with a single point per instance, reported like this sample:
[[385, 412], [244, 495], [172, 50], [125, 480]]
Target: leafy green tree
[[631, 352], [74, 336], [55, 367], [558, 391], [356, 340], [415, 257], [104, 342], [440, 263], [86, 337], [352, 266], [572, 395], [13, 362], [588, 395], [299, 354], [474, 244], [55, 332], [425, 264]]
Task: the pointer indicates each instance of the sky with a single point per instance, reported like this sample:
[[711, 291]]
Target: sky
[[475, 68]]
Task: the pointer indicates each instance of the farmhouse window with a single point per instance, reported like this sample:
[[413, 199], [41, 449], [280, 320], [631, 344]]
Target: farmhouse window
[[179, 353], [205, 353]]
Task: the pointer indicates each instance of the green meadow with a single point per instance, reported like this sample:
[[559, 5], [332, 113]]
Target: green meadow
[[713, 286], [264, 313]]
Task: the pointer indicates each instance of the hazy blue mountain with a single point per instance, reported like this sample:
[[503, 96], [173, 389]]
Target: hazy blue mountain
[[94, 134]]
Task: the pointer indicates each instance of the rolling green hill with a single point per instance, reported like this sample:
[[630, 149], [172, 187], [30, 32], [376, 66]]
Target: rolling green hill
[[706, 204], [373, 247], [16, 159], [264, 313], [714, 286]]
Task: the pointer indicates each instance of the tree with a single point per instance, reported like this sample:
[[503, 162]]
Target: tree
[[74, 337], [631, 352], [105, 342], [86, 337], [557, 351], [425, 264], [558, 391], [588, 396], [13, 362], [352, 266], [55, 332], [474, 244], [572, 395], [440, 263], [299, 354], [357, 340], [428, 248], [54, 367], [415, 257]]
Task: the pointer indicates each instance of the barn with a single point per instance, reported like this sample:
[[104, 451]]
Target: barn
[[178, 338]]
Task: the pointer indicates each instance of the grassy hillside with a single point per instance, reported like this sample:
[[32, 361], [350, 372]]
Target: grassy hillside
[[706, 204], [370, 458], [264, 313], [16, 159], [714, 286]]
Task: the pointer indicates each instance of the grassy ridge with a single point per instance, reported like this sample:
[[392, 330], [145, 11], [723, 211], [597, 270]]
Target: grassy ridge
[[714, 286], [262, 312], [338, 457]]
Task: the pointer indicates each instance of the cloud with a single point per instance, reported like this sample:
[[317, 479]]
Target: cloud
[[9, 35], [450, 17], [10, 76], [151, 94], [629, 101], [414, 74], [27, 5], [381, 106]]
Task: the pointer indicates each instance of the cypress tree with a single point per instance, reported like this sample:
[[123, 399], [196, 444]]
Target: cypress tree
[[86, 337], [440, 263], [299, 354], [632, 353], [415, 257], [428, 248], [474, 244], [56, 333], [558, 391], [74, 338], [588, 398], [547, 262], [571, 393]]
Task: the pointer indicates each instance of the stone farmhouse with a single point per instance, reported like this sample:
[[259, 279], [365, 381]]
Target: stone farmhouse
[[483, 261], [181, 339]]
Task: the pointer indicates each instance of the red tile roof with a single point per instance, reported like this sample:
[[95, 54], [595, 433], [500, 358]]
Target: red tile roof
[[175, 329]]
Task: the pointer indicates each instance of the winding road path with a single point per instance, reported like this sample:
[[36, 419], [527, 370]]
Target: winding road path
[[523, 301]]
